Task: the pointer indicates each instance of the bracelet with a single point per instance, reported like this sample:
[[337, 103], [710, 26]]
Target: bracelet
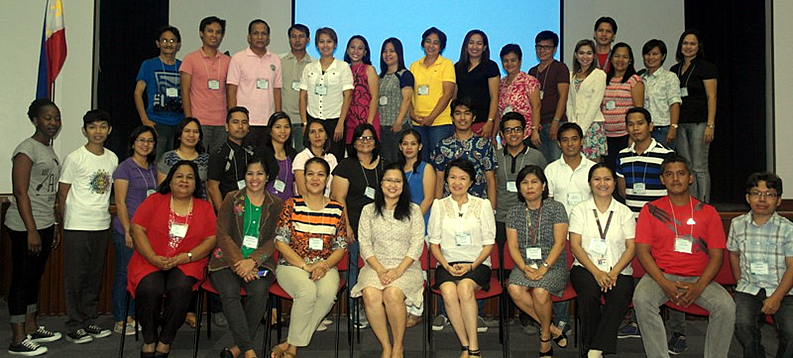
[[711, 126], [555, 120], [490, 119]]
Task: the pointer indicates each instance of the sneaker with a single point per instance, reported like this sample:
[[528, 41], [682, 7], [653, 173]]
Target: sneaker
[[219, 319], [126, 328], [630, 330], [491, 322], [27, 348], [361, 322], [439, 322], [42, 335], [481, 326], [322, 327], [566, 328], [96, 331], [327, 321], [79, 337], [677, 344]]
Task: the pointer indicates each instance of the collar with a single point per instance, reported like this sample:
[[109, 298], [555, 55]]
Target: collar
[[204, 54], [307, 58], [249, 52], [580, 165], [652, 146], [436, 63], [772, 220], [660, 71], [526, 149]]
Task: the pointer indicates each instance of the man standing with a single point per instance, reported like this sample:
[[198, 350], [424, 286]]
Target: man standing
[[605, 31], [292, 65], [680, 242], [254, 80], [761, 258], [554, 78], [204, 83], [227, 165]]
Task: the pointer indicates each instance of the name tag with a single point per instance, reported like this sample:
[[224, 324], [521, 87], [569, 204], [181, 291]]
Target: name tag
[[369, 192], [150, 191], [295, 85], [250, 241], [213, 84], [262, 83], [424, 90], [383, 101], [683, 245], [683, 91], [639, 188], [542, 95], [462, 239], [602, 265], [320, 90], [512, 187], [759, 268], [171, 92], [315, 243], [178, 230], [279, 185], [611, 104], [574, 198], [240, 184], [598, 246], [534, 253]]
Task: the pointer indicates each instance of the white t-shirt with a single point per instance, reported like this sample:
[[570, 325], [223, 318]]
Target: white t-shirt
[[91, 178], [622, 227], [462, 233], [566, 185], [300, 164]]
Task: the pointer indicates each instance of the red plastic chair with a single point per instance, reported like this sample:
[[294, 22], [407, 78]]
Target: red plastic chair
[[203, 291]]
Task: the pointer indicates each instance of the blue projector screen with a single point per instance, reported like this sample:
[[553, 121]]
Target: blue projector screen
[[504, 22]]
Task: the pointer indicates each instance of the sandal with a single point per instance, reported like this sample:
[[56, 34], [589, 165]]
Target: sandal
[[190, 320], [412, 321], [559, 338], [278, 351], [474, 353], [465, 352], [548, 353]]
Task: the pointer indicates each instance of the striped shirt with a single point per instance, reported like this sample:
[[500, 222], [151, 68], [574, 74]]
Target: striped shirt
[[617, 100], [644, 168], [766, 246], [298, 224]]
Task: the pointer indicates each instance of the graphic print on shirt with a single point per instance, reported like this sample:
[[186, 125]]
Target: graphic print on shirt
[[671, 223], [100, 182], [48, 185]]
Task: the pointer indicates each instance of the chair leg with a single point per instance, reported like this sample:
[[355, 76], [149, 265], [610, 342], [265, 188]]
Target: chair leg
[[124, 330], [268, 316], [199, 316], [209, 315], [278, 326]]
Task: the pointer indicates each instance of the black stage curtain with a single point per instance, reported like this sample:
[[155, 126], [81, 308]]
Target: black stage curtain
[[734, 38], [127, 31]]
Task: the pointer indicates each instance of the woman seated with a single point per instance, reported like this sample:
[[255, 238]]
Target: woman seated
[[391, 235], [536, 235], [601, 238], [462, 231], [173, 232], [311, 236], [244, 256]]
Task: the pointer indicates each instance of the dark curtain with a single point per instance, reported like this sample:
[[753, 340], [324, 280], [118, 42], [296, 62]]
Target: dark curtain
[[734, 38], [127, 37]]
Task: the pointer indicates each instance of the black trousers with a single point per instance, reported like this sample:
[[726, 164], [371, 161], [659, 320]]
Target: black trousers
[[337, 148], [177, 289], [23, 294], [599, 325]]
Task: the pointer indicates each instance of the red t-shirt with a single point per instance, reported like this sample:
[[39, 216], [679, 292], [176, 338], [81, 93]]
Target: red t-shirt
[[657, 226], [603, 61]]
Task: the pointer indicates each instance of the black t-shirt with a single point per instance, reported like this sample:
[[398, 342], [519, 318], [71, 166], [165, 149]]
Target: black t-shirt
[[227, 165], [351, 169], [550, 79], [694, 108], [473, 84]]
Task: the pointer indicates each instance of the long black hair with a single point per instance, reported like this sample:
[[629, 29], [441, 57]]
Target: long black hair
[[358, 133], [366, 59], [402, 210], [401, 157], [177, 134], [399, 51], [629, 72], [165, 186]]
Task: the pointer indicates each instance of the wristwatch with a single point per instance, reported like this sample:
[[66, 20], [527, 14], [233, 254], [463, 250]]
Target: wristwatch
[[190, 256], [673, 125], [546, 264]]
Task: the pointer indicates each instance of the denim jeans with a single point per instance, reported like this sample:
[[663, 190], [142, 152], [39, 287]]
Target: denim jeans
[[648, 296], [244, 319], [164, 138], [123, 254], [297, 137], [659, 134], [431, 136], [749, 320], [691, 145], [213, 137], [549, 149]]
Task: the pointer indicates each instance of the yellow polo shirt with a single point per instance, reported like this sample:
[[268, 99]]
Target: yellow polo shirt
[[428, 88]]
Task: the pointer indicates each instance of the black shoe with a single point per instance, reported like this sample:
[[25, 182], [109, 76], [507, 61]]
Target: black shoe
[[559, 338], [146, 354], [226, 353], [161, 354], [548, 353]]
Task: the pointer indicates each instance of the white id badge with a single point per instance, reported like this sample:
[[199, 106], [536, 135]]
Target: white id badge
[[683, 245], [611, 104], [320, 90], [279, 185], [759, 268], [150, 191], [534, 253], [683, 91], [213, 84], [315, 243], [383, 101], [369, 192], [240, 184], [598, 246], [250, 241], [462, 239], [639, 188], [296, 86], [574, 198], [542, 95], [262, 83], [178, 230], [424, 90], [512, 187], [171, 92]]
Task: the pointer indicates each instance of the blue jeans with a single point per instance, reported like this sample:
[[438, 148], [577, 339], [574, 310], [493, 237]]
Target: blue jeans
[[123, 254], [749, 320], [164, 138], [549, 149], [691, 145], [659, 134], [297, 137], [431, 136], [213, 137]]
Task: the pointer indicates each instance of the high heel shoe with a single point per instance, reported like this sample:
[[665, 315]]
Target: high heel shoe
[[465, 352], [474, 353], [161, 354], [548, 353], [146, 354], [559, 338]]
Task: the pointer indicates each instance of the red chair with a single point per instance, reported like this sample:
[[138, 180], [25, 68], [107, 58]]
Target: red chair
[[724, 277]]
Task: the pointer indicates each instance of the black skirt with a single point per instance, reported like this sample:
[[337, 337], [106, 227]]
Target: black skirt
[[480, 275]]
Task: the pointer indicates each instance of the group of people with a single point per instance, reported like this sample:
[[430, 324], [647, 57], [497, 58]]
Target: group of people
[[219, 178]]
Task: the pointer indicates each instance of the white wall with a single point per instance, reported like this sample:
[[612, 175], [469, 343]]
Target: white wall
[[19, 71], [783, 94]]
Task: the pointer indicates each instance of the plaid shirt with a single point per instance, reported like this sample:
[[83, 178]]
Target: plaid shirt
[[769, 243]]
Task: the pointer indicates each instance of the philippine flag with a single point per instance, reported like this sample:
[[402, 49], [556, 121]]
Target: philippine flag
[[53, 48]]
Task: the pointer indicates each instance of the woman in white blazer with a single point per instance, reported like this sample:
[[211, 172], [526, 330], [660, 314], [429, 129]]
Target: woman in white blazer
[[587, 85]]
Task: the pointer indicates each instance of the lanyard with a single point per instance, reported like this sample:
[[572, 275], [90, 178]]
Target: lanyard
[[608, 223], [530, 231], [217, 70], [689, 73], [377, 177], [690, 221], [162, 65], [153, 181], [231, 157], [547, 71]]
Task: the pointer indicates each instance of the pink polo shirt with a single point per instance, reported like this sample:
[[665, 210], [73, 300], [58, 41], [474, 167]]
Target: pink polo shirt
[[208, 105], [255, 78]]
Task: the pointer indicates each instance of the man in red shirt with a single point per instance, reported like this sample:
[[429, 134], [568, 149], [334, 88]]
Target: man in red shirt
[[680, 242]]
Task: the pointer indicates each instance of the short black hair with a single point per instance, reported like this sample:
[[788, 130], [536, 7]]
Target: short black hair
[[299, 27], [511, 48], [608, 20], [675, 158], [236, 109], [641, 110], [134, 137], [463, 164], [650, 45], [539, 173], [547, 35], [168, 28], [35, 107], [566, 126], [598, 166], [358, 133], [457, 102], [436, 31], [96, 115], [211, 20], [258, 21], [307, 140], [165, 186], [772, 181], [177, 134], [321, 161], [512, 116]]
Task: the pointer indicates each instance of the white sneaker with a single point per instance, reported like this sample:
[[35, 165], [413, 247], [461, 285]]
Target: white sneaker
[[27, 348], [97, 332], [79, 337], [42, 335]]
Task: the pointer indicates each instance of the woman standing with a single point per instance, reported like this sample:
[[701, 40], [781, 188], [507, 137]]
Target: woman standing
[[624, 91], [32, 226], [392, 237], [189, 146], [279, 154], [661, 93], [519, 92], [396, 91], [536, 234], [311, 236], [435, 82], [326, 90], [363, 108], [317, 144], [601, 239], [462, 232], [698, 85], [244, 256], [587, 85], [477, 79], [133, 181]]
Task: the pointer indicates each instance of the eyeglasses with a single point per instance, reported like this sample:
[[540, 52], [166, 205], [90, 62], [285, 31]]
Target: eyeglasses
[[168, 41], [393, 181], [513, 130], [145, 141], [754, 194], [365, 139], [545, 48]]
